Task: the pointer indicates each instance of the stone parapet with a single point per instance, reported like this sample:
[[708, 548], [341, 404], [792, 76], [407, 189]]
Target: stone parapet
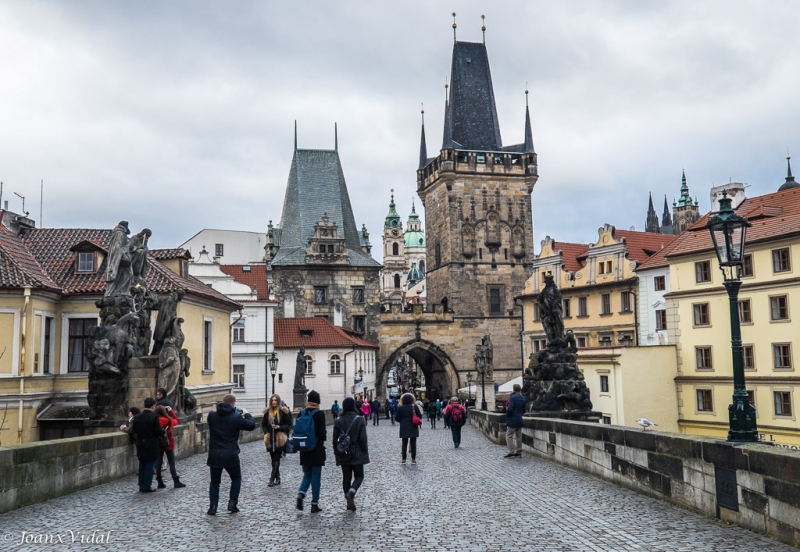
[[753, 485]]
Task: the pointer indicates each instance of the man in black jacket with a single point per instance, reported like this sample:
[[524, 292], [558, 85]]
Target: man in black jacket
[[148, 451], [224, 426]]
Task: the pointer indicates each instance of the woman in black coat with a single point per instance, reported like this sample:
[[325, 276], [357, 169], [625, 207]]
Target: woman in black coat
[[275, 424], [352, 424], [408, 431], [312, 461]]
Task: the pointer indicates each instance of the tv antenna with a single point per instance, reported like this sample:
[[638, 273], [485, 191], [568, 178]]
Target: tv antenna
[[23, 203]]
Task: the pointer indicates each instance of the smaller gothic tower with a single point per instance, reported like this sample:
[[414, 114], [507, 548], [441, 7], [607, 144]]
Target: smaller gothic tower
[[685, 211], [666, 218], [652, 219], [393, 274]]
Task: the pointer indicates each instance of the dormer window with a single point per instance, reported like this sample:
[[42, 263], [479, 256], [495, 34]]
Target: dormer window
[[85, 261]]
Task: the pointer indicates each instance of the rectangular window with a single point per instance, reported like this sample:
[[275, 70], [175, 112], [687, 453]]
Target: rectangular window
[[660, 283], [309, 365], [583, 307], [782, 355], [545, 274], [605, 341], [565, 307], [330, 249], [581, 341], [748, 354], [359, 324], [238, 331], [280, 378], [751, 397], [701, 317], [625, 301], [238, 376], [625, 339], [704, 400], [85, 262], [78, 343], [336, 365], [601, 267], [320, 295], [495, 301], [702, 271], [783, 403], [661, 319], [48, 332], [703, 357], [322, 248], [608, 267], [358, 295], [218, 250], [780, 260], [207, 337], [536, 317], [607, 420], [747, 266], [745, 313], [539, 345], [606, 303], [604, 384], [779, 307]]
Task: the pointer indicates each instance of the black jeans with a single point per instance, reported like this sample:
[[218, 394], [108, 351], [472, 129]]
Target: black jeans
[[235, 472], [413, 447], [350, 482], [456, 435], [275, 455], [171, 461]]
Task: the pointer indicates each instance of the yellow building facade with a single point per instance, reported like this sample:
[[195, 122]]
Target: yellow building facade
[[46, 307], [698, 321]]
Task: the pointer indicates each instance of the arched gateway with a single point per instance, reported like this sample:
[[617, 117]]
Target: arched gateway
[[441, 377]]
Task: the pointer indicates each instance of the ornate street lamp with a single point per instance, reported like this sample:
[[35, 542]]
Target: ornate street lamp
[[480, 367], [469, 388], [728, 234], [273, 368]]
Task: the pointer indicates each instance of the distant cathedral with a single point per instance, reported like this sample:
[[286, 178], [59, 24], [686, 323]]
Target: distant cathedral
[[403, 273], [685, 212]]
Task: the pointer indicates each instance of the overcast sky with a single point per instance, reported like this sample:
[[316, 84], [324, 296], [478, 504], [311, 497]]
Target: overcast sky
[[179, 116]]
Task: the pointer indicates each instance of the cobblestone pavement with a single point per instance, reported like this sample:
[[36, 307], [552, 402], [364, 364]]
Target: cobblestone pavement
[[454, 499]]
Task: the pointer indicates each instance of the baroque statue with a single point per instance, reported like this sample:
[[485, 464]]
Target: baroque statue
[[300, 368]]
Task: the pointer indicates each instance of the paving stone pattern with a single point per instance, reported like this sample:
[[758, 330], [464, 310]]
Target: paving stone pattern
[[467, 499]]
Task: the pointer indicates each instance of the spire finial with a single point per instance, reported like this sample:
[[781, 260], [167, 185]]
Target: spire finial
[[526, 94], [454, 26], [422, 111], [295, 135], [392, 190], [335, 137], [483, 27], [788, 166]]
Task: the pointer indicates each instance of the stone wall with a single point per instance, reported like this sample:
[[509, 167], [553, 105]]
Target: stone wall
[[698, 473], [37, 472]]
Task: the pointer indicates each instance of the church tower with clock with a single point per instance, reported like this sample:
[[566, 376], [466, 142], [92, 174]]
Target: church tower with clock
[[393, 274]]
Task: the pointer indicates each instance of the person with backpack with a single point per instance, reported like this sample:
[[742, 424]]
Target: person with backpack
[[392, 409], [438, 409], [276, 424], [335, 409], [514, 423], [350, 450], [432, 414], [455, 417], [309, 439], [409, 431], [376, 411]]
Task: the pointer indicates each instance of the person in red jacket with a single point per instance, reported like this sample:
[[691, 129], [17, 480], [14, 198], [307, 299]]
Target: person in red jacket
[[167, 420], [455, 417]]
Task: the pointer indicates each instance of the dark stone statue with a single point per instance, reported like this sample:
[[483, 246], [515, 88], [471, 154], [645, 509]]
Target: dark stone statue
[[488, 350], [300, 368], [553, 382]]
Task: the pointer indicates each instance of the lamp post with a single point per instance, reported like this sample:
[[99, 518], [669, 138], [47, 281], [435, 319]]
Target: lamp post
[[469, 388], [273, 368], [361, 379], [728, 234], [480, 367]]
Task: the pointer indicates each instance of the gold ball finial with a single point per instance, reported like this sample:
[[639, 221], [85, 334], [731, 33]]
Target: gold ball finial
[[483, 20], [422, 111], [454, 20], [446, 85], [788, 157]]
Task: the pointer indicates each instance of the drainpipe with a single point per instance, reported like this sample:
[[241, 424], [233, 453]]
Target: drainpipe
[[521, 335], [635, 316], [345, 371], [23, 336]]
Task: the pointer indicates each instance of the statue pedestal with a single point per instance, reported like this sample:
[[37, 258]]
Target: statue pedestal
[[142, 380], [300, 397], [490, 404]]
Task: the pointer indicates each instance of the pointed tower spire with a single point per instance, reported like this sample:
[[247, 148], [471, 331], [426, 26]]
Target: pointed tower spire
[[447, 136], [666, 218], [790, 181], [423, 148], [335, 137], [685, 198], [295, 135], [652, 218], [528, 134]]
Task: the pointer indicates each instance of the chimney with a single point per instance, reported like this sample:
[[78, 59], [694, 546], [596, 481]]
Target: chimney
[[735, 191]]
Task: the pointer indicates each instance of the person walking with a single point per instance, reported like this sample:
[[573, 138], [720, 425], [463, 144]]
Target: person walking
[[455, 417], [275, 424], [386, 408], [335, 410], [224, 425], [409, 432], [168, 420], [432, 414], [514, 423], [376, 411], [350, 423], [392, 409], [313, 460], [148, 432], [366, 410], [438, 409]]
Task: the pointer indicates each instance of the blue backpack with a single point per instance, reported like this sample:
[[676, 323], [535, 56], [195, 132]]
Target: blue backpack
[[304, 438]]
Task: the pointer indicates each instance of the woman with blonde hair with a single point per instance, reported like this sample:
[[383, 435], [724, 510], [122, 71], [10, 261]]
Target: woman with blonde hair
[[276, 424]]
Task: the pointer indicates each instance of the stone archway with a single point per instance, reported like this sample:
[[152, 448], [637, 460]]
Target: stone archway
[[439, 369]]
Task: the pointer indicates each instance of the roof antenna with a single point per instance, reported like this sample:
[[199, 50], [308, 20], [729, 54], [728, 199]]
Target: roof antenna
[[483, 28], [335, 138], [23, 203], [454, 26], [41, 199], [295, 135]]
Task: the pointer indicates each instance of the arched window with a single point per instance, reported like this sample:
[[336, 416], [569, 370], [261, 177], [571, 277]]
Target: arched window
[[309, 365], [395, 249], [336, 364], [397, 281], [422, 266]]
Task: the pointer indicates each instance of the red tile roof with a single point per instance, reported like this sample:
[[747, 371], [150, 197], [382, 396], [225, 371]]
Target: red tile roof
[[659, 260], [323, 334], [256, 277], [643, 245], [570, 253], [167, 254], [762, 211], [18, 268]]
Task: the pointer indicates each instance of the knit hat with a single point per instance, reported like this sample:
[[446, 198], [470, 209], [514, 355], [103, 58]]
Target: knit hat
[[349, 405], [313, 396], [454, 399]]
